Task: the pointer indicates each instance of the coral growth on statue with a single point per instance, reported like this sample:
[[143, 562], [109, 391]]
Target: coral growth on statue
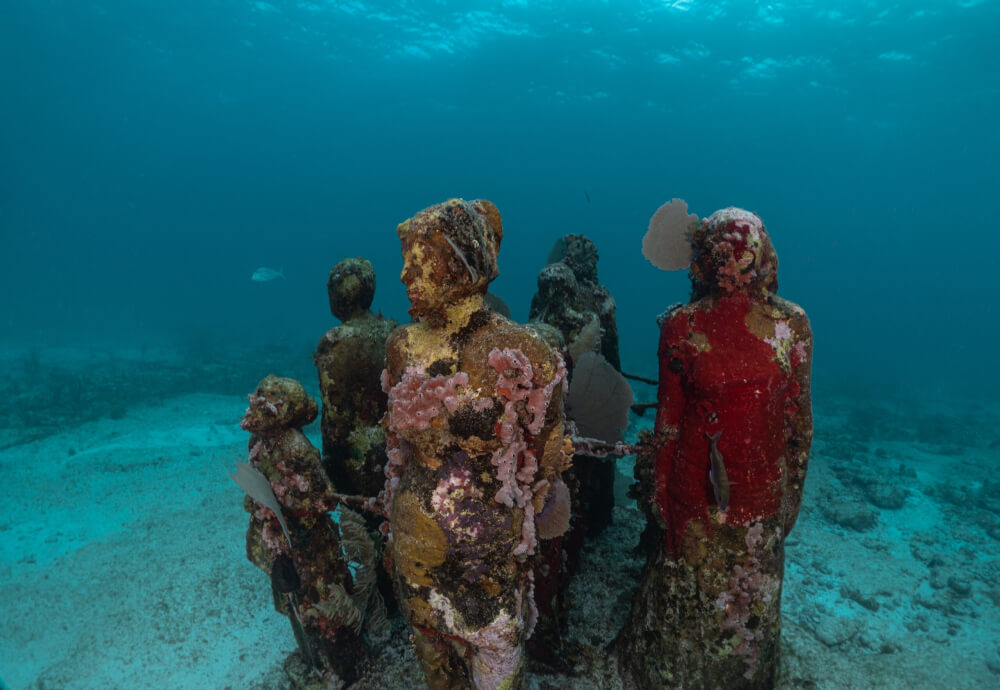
[[475, 437], [291, 534], [349, 359], [474, 446]]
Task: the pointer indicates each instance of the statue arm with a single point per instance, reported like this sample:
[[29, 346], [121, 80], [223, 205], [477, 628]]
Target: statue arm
[[673, 363], [657, 461], [799, 429]]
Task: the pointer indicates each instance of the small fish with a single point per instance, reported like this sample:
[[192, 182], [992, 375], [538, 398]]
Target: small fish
[[717, 472], [586, 195], [264, 274]]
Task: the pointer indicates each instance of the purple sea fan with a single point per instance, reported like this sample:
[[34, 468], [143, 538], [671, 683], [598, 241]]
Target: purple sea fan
[[599, 399], [553, 520]]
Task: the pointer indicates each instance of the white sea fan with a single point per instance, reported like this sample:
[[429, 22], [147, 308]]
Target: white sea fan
[[259, 489], [667, 243]]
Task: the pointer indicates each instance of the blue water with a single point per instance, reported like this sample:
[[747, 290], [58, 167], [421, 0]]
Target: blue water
[[156, 152]]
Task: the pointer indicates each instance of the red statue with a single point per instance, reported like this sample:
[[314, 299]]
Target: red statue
[[723, 479]]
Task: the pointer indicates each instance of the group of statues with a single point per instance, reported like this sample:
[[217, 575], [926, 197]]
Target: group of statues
[[455, 485]]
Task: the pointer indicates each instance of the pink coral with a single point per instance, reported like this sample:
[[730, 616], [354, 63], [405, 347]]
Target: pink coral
[[731, 272], [448, 494], [414, 402], [750, 595], [257, 449], [418, 398], [782, 332], [393, 469], [516, 464], [271, 533], [496, 648], [515, 372], [798, 354]]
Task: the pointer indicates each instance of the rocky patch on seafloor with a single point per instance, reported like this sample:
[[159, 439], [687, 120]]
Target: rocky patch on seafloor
[[896, 556], [51, 389], [863, 487]]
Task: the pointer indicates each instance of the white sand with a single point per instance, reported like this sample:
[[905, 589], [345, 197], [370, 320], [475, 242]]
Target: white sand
[[122, 565]]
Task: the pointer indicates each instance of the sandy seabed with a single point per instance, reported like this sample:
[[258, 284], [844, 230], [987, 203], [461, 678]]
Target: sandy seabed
[[122, 558]]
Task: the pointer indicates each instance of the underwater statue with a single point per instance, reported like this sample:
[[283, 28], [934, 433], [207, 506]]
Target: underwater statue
[[350, 358], [572, 311], [723, 473], [293, 538], [476, 452], [570, 299]]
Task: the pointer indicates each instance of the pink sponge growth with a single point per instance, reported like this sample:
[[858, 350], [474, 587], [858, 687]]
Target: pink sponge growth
[[749, 604], [516, 464], [419, 398]]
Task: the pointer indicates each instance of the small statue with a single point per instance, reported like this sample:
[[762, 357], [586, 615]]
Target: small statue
[[723, 478], [570, 298], [571, 308], [292, 537], [476, 452], [350, 359]]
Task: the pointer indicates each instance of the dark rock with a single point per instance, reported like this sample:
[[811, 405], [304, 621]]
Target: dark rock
[[834, 632], [850, 514], [989, 496], [866, 600], [993, 665], [884, 495], [956, 495], [959, 586], [919, 623], [940, 577]]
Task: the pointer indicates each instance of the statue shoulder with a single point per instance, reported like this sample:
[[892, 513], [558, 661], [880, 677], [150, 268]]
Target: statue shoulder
[[672, 311], [792, 312], [400, 338]]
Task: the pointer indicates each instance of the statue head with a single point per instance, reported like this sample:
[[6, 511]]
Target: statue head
[[449, 253], [351, 287], [557, 286], [733, 253], [279, 403], [581, 256]]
